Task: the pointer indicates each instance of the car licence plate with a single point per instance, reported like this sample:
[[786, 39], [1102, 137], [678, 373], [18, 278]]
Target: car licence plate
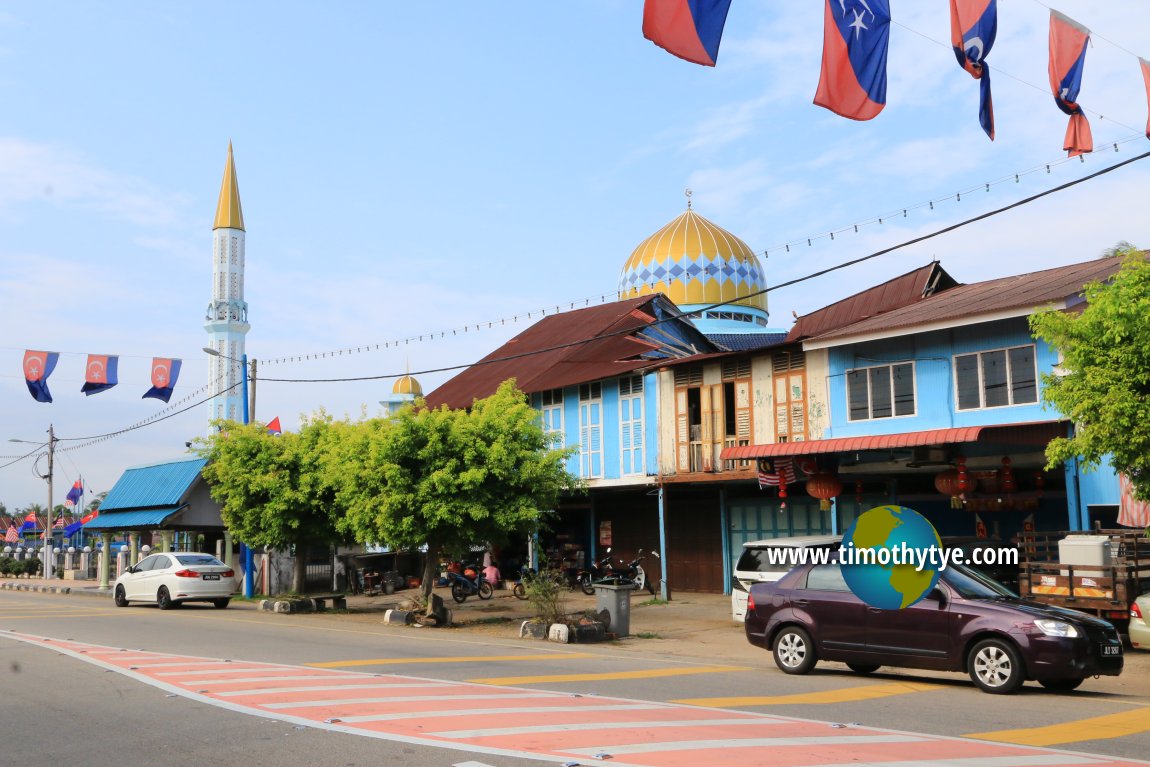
[[216, 577], [1111, 649]]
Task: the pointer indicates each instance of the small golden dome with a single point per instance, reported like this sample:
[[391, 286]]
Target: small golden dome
[[407, 385], [694, 262]]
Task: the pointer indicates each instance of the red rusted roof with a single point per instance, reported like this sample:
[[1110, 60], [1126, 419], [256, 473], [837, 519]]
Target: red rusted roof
[[892, 294], [1036, 434], [1020, 291], [566, 349]]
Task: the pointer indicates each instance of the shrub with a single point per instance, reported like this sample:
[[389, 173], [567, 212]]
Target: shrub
[[31, 566], [545, 595]]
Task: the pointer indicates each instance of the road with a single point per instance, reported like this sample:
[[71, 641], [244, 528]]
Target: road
[[107, 686]]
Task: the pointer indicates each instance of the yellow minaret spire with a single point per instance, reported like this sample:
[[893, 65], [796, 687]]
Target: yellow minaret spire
[[229, 214]]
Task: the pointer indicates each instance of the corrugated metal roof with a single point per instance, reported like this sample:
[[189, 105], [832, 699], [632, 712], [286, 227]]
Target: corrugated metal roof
[[1020, 291], [745, 342], [909, 288], [575, 347], [156, 486], [1035, 434], [130, 520]]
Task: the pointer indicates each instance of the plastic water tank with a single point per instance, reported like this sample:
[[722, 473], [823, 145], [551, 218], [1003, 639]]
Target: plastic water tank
[[1084, 550]]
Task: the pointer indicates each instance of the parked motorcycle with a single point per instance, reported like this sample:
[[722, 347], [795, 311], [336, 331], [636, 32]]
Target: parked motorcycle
[[633, 573], [464, 585], [597, 571], [519, 591]]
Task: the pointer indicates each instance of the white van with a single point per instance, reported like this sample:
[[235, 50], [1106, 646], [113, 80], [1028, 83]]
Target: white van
[[754, 566]]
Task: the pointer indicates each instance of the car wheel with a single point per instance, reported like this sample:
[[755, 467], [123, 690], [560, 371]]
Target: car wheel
[[1061, 685], [485, 590], [121, 598], [794, 651], [221, 603], [164, 599], [457, 592], [995, 667], [863, 668]]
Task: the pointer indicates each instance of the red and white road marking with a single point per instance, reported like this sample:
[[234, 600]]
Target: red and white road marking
[[550, 726]]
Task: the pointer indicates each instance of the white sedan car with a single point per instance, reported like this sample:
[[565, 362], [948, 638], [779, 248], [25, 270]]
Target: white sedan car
[[1140, 622], [169, 579]]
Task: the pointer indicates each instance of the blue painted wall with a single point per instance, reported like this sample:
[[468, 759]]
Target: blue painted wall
[[933, 354]]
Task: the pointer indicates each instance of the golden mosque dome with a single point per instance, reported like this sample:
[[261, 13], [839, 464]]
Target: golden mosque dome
[[695, 263], [407, 385]]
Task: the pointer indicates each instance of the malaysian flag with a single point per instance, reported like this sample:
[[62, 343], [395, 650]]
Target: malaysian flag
[[774, 472], [12, 536]]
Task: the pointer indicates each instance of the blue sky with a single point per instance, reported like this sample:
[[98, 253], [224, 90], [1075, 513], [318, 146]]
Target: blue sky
[[409, 168]]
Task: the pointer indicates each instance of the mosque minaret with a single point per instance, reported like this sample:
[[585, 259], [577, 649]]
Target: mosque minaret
[[226, 320]]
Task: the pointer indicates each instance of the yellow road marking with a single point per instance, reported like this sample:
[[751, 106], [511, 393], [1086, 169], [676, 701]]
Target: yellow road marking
[[446, 659], [651, 674], [1094, 728], [845, 695]]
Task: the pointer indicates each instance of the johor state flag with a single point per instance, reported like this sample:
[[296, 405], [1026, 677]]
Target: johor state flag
[[75, 494], [274, 426], [690, 29], [1068, 41], [100, 374], [1146, 79], [973, 25], [165, 372], [853, 78], [37, 367]]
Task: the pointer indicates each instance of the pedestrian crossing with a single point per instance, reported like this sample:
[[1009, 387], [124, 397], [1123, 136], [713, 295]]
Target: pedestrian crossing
[[551, 726]]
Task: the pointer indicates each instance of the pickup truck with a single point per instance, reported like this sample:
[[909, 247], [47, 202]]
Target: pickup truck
[[1052, 571]]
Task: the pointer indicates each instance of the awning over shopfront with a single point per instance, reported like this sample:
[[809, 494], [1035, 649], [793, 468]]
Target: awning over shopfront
[[132, 520], [1036, 434]]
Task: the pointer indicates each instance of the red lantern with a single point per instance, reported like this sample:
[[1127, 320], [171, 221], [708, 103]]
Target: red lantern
[[964, 481], [824, 486], [1007, 476], [946, 482], [782, 495]]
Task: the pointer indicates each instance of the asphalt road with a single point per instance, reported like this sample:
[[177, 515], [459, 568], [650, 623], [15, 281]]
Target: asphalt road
[[95, 709]]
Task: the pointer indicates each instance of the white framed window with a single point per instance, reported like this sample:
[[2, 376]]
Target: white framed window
[[631, 425], [997, 378], [883, 391], [552, 410], [591, 430]]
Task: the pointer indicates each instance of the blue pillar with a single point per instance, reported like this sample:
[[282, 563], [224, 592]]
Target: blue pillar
[[592, 550], [245, 552], [663, 594], [725, 532]]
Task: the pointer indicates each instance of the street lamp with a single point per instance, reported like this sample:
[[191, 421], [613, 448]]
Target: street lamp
[[245, 550], [48, 561], [244, 378]]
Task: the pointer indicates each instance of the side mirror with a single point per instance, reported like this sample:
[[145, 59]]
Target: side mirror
[[938, 594]]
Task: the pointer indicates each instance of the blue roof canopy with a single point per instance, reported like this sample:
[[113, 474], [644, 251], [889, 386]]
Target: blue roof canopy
[[152, 487], [131, 519]]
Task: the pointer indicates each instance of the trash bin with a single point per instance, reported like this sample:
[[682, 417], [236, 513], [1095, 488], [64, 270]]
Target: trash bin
[[616, 600]]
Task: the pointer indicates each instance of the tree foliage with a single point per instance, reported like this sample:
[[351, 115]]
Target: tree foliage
[[274, 490], [448, 479], [1104, 385]]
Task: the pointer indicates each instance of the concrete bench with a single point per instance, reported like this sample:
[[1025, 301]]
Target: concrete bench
[[338, 601]]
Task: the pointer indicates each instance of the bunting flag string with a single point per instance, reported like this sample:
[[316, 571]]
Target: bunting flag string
[[852, 82], [973, 27], [1068, 41], [689, 29], [100, 374], [1145, 66]]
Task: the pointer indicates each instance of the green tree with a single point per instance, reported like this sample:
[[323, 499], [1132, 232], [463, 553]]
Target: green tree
[[273, 489], [448, 479], [1103, 386]]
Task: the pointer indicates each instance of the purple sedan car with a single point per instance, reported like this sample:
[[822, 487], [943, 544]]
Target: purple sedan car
[[967, 623]]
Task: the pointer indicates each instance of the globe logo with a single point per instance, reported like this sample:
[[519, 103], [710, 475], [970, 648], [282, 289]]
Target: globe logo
[[889, 557]]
